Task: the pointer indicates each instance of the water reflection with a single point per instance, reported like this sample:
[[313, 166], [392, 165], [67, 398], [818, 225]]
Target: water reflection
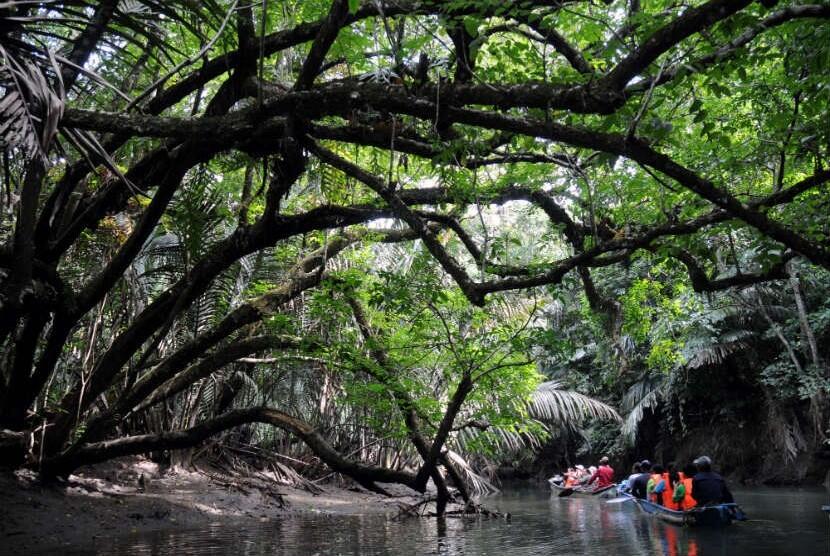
[[784, 523], [675, 541]]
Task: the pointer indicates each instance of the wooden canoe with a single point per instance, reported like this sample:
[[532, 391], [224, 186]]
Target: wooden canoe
[[719, 515], [606, 492]]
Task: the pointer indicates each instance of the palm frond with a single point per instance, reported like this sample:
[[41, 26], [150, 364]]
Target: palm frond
[[30, 107], [133, 7], [249, 384], [549, 407], [785, 432], [501, 441], [704, 352], [551, 404], [632, 420], [475, 482]]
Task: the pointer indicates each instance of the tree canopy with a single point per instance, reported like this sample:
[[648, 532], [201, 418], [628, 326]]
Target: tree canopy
[[375, 203]]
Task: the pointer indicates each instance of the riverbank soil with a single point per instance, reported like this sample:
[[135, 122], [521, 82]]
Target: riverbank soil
[[134, 496]]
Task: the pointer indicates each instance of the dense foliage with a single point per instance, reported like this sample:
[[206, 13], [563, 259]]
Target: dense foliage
[[382, 228]]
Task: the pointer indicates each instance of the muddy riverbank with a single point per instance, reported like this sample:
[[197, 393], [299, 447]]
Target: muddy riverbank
[[134, 497]]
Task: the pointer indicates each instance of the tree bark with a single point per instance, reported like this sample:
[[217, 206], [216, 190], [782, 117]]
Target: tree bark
[[102, 451], [811, 346]]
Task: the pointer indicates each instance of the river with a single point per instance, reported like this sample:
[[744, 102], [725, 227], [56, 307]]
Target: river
[[783, 522]]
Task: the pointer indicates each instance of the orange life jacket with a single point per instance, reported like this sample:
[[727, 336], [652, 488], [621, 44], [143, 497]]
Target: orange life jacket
[[654, 497], [688, 501], [668, 493]]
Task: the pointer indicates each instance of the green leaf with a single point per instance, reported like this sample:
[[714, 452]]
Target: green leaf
[[471, 26]]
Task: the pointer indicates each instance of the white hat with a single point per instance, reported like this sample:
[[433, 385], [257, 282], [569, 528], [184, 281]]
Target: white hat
[[581, 467]]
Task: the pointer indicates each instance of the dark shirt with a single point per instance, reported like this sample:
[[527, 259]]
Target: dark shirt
[[639, 484], [710, 488]]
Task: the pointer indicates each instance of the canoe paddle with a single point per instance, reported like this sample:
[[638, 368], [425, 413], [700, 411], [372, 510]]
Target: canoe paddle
[[619, 500]]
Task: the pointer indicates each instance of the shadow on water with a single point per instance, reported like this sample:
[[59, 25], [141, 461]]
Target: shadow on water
[[784, 522]]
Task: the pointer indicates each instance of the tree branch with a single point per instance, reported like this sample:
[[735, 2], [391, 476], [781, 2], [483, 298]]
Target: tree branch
[[176, 440], [387, 193], [322, 42], [702, 283]]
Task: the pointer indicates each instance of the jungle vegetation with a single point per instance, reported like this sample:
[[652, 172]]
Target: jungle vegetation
[[405, 240]]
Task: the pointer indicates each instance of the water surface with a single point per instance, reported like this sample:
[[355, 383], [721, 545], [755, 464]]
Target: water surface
[[783, 522]]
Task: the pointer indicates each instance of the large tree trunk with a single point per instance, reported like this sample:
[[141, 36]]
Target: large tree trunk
[[176, 440], [818, 401], [12, 448]]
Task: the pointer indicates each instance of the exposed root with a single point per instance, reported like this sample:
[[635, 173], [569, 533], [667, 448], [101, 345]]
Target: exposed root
[[262, 463], [425, 508], [244, 485]]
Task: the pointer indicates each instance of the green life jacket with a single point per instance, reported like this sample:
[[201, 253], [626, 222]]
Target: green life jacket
[[679, 492]]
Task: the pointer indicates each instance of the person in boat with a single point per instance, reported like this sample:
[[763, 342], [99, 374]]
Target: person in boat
[[581, 474], [570, 478], [682, 497], [604, 475], [689, 472], [707, 486], [665, 487], [672, 481], [628, 484], [683, 493], [653, 481], [639, 484], [589, 473]]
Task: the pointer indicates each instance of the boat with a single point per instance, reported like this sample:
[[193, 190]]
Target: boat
[[826, 509], [606, 492], [715, 515]]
